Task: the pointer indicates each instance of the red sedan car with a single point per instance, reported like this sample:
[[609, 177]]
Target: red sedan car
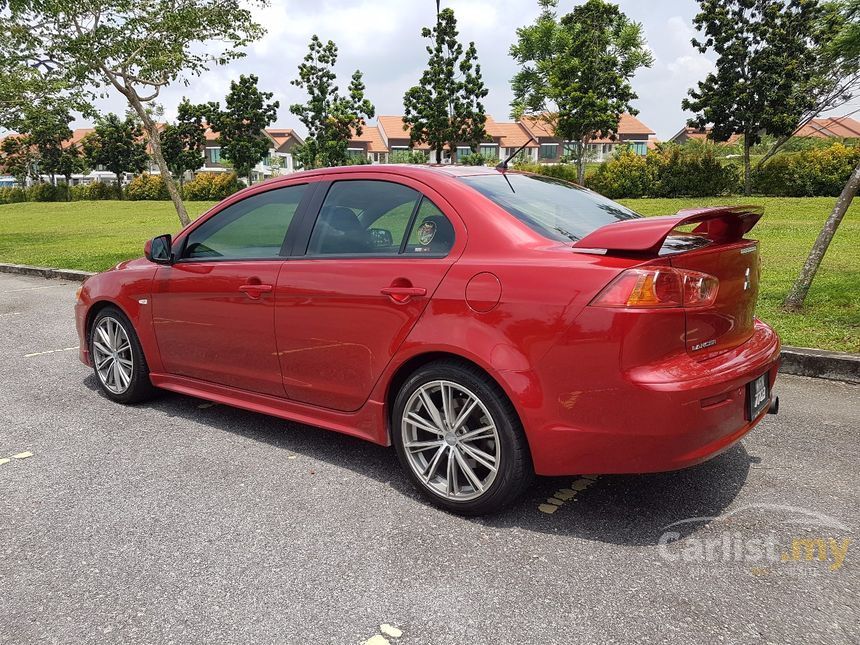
[[489, 324]]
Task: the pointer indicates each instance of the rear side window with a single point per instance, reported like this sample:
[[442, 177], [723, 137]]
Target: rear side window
[[379, 218], [253, 228], [554, 208]]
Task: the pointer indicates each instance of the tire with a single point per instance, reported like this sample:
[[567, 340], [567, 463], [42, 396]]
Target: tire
[[444, 446], [130, 383]]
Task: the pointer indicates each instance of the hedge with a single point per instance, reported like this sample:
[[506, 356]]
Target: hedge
[[211, 186], [819, 172], [146, 187]]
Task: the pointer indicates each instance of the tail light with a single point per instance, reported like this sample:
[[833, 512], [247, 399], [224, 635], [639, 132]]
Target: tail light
[[658, 287]]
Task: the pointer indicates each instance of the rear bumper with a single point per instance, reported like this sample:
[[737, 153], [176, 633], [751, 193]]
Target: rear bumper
[[659, 417]]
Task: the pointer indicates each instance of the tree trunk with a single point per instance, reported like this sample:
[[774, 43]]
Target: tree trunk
[[747, 188], [155, 142], [794, 300], [580, 163], [438, 155], [118, 185], [68, 188]]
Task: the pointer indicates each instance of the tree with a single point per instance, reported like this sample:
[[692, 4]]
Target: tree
[[330, 117], [446, 108], [767, 70], [240, 126], [135, 48], [117, 145], [48, 130], [845, 51], [182, 143], [575, 72], [19, 158], [70, 162]]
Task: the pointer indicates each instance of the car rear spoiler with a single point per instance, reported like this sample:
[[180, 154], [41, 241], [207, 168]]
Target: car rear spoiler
[[722, 224]]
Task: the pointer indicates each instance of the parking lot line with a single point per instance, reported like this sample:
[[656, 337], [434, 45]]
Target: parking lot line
[[50, 286], [10, 313], [563, 495], [51, 351]]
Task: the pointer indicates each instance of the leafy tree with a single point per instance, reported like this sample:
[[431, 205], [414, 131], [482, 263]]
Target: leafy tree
[[117, 145], [330, 117], [767, 70], [845, 51], [446, 107], [48, 130], [182, 143], [240, 125], [18, 157], [70, 161], [575, 72], [135, 48]]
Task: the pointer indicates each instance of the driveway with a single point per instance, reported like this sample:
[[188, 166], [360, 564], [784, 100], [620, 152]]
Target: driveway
[[179, 521]]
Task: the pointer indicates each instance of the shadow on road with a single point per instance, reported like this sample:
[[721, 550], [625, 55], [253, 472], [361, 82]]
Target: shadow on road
[[616, 509]]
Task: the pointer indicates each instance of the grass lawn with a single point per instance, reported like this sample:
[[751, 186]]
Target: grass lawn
[[96, 235]]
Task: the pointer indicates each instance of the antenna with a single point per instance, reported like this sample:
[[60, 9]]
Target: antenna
[[504, 164]]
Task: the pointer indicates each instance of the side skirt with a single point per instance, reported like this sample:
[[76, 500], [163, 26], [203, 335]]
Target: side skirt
[[367, 423]]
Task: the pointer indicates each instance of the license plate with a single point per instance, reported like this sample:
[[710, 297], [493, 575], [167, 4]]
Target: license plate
[[758, 396]]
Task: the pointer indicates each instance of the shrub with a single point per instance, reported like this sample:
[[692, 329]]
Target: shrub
[[211, 186], [43, 192], [146, 187], [559, 171], [12, 195], [95, 190], [625, 175], [681, 171], [476, 159], [814, 172], [408, 156]]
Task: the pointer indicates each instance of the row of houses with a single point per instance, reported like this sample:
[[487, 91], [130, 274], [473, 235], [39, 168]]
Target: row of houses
[[388, 135], [378, 141]]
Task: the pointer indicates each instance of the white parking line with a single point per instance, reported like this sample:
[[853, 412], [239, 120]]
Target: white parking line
[[11, 313], [52, 351]]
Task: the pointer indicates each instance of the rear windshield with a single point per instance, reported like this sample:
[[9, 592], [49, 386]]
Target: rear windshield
[[554, 208]]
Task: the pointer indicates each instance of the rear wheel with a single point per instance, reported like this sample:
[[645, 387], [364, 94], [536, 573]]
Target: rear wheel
[[118, 361], [460, 440]]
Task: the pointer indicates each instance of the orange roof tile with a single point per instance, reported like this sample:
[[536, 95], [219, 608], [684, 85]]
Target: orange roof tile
[[628, 124], [838, 127], [510, 134], [370, 135]]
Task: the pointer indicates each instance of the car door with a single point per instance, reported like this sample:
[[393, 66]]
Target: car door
[[213, 309], [375, 254]]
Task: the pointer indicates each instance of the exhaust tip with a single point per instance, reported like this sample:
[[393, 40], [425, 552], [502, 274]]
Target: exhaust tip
[[774, 406]]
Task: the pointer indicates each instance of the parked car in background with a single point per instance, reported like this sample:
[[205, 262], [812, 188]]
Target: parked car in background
[[489, 324]]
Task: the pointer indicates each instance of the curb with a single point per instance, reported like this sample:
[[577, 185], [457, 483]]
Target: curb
[[801, 361], [820, 363], [46, 272]]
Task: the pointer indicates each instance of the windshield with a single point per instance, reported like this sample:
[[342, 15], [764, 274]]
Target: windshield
[[554, 208]]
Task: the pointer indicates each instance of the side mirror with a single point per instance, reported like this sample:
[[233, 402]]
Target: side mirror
[[159, 249], [381, 238]]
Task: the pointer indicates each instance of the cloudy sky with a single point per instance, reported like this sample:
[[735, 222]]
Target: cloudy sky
[[382, 38]]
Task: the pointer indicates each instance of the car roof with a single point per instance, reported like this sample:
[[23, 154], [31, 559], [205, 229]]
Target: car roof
[[404, 170]]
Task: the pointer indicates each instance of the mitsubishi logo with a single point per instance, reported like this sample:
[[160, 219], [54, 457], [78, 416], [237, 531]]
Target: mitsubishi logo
[[747, 279]]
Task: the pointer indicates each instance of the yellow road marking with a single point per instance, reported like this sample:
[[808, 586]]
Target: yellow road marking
[[377, 639], [390, 630], [5, 460], [51, 351], [23, 455], [566, 494]]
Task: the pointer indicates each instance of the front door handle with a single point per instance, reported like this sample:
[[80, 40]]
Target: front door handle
[[254, 291], [402, 295]]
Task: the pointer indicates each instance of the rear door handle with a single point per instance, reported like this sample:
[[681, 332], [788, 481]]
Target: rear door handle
[[404, 291], [254, 291], [402, 295]]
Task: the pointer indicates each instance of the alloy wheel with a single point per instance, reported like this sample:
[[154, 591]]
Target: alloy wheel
[[451, 441], [112, 355]]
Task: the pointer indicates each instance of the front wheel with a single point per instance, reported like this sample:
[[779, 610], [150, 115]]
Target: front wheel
[[118, 361], [460, 440]]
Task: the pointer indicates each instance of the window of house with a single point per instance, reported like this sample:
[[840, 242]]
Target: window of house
[[548, 150], [253, 228], [214, 155], [463, 150], [640, 147], [489, 151]]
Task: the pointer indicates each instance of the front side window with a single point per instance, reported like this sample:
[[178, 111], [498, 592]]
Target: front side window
[[378, 218], [554, 208], [253, 228]]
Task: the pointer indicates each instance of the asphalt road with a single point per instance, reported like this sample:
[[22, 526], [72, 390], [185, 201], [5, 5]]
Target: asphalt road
[[181, 522]]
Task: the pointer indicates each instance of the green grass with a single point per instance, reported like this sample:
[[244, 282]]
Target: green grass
[[831, 317], [96, 235], [92, 236]]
